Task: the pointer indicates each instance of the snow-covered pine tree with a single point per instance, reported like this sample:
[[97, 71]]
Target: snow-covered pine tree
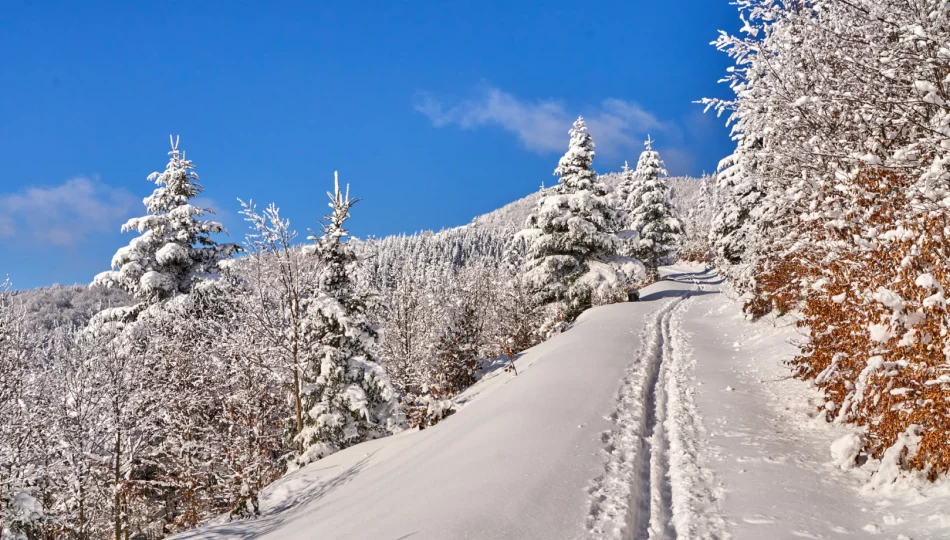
[[570, 231], [175, 247], [651, 212], [733, 228], [618, 198], [348, 398], [173, 254], [575, 168], [461, 337], [698, 222]]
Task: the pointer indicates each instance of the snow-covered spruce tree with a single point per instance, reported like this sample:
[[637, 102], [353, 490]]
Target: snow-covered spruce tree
[[462, 335], [569, 237], [618, 198], [175, 246], [650, 212], [698, 223], [174, 253], [348, 397]]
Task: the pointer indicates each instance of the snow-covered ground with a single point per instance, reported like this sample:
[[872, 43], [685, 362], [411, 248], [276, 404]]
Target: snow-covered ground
[[668, 418], [770, 449]]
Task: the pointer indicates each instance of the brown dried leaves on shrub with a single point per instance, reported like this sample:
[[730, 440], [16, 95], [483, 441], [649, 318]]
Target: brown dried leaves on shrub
[[870, 289]]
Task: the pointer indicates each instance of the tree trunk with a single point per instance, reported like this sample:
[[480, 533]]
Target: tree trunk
[[117, 496], [298, 403]]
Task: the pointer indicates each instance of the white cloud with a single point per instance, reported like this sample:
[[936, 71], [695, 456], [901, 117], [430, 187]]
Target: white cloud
[[64, 215], [542, 125]]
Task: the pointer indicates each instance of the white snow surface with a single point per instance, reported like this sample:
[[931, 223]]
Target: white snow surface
[[672, 417]]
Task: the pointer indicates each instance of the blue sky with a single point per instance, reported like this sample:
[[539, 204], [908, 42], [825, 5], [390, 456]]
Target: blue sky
[[434, 112]]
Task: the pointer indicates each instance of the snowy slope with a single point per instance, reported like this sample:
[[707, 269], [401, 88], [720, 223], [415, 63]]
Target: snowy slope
[[515, 462], [668, 418]]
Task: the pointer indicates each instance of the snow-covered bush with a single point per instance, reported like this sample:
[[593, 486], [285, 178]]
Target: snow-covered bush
[[23, 517], [876, 315], [279, 282]]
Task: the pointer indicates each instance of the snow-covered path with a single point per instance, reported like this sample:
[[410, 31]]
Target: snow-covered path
[[654, 484], [770, 449], [662, 419]]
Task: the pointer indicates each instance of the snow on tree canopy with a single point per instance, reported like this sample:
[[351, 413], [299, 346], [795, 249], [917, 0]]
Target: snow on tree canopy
[[175, 247], [347, 395], [575, 166], [571, 229], [650, 210], [650, 166]]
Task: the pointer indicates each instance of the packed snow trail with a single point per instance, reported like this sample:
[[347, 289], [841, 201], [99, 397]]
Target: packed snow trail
[[654, 485], [668, 418]]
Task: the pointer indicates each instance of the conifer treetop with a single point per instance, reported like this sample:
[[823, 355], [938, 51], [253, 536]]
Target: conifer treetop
[[174, 247], [331, 244], [574, 168], [650, 166]]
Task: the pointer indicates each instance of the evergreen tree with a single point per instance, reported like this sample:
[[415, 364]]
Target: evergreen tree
[[651, 212], [173, 256], [460, 339], [627, 185], [698, 221], [349, 398], [575, 166], [175, 247], [570, 229], [734, 228]]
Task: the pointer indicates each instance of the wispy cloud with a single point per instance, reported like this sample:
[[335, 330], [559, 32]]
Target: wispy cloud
[[64, 215], [542, 125]]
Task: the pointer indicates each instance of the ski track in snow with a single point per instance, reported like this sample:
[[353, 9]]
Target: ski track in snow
[[654, 486]]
